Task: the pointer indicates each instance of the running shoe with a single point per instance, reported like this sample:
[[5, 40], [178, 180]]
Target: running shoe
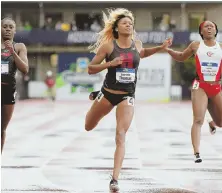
[[93, 95], [113, 185], [212, 127], [197, 158]]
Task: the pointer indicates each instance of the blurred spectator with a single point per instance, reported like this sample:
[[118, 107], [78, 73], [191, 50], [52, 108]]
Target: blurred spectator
[[95, 26], [65, 27], [164, 25], [58, 25], [172, 25], [27, 26], [50, 83], [86, 26], [73, 26], [48, 24], [62, 26]]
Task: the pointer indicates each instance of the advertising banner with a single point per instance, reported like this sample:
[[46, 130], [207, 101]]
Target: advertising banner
[[154, 78]]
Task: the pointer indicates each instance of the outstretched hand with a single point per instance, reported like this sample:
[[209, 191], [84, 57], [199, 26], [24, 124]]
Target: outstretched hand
[[167, 43]]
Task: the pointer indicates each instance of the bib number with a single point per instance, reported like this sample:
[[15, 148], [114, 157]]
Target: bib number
[[209, 71], [4, 67], [196, 85], [125, 75], [130, 101]]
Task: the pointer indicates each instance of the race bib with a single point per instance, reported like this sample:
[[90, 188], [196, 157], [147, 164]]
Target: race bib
[[4, 67], [196, 85], [125, 75], [209, 70], [130, 101]]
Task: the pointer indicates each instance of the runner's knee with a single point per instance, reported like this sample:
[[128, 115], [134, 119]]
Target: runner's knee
[[198, 121], [120, 138]]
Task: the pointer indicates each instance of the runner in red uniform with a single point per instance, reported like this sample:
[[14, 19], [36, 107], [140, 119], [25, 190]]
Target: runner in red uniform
[[206, 90], [50, 82]]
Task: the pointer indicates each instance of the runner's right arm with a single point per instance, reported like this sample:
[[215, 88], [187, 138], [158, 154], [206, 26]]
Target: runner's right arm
[[182, 56]]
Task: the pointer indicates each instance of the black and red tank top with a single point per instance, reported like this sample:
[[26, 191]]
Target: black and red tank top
[[124, 76], [8, 67]]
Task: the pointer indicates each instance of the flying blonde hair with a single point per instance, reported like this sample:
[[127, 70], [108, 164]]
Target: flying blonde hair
[[106, 35]]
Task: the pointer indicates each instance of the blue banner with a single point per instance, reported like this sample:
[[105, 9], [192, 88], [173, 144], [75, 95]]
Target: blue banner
[[53, 37]]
